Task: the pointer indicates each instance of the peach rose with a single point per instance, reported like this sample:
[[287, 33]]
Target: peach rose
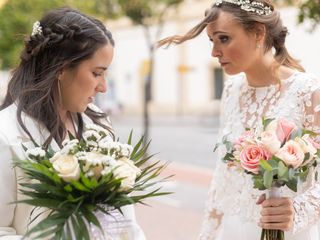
[[291, 154], [246, 136], [270, 141], [250, 157]]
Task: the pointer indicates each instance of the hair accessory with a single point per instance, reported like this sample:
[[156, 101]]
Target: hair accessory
[[36, 29], [249, 6]]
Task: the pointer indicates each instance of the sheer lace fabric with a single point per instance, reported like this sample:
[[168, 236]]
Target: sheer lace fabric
[[231, 192]]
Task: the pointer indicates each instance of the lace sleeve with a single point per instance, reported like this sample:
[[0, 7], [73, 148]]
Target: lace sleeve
[[307, 204], [212, 217]]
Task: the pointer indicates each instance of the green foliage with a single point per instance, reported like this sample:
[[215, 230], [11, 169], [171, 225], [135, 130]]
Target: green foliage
[[142, 11], [310, 9], [71, 204], [274, 173], [17, 18]]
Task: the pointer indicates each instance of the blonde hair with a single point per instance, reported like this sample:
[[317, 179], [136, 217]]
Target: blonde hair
[[275, 31]]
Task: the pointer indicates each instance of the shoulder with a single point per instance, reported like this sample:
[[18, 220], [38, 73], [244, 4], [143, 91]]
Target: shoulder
[[304, 83], [87, 120], [8, 122], [235, 81]]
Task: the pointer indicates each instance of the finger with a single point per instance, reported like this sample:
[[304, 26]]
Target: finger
[[276, 211], [276, 219], [276, 226], [275, 202], [261, 199]]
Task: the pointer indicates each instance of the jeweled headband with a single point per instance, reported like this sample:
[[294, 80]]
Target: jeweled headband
[[249, 6]]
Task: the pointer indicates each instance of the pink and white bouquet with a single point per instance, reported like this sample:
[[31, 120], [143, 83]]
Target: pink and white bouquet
[[93, 174], [279, 155]]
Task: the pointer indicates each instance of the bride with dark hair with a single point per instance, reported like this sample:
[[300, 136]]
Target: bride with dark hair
[[62, 68]]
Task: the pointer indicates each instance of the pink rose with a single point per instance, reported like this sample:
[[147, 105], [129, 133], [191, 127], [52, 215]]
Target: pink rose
[[250, 157], [284, 129], [245, 137], [291, 154]]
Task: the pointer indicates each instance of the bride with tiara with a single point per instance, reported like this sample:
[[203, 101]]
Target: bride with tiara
[[249, 41]]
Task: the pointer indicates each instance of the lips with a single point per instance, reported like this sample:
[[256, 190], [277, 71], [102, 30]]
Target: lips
[[223, 63]]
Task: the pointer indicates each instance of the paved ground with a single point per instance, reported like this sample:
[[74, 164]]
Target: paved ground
[[177, 216], [187, 143]]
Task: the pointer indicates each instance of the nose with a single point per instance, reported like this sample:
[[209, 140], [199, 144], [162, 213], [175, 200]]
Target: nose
[[216, 52], [102, 86]]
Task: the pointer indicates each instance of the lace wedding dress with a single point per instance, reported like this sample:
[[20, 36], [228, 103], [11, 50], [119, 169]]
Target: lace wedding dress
[[231, 195]]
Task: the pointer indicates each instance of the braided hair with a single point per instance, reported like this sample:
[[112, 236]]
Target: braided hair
[[68, 37]]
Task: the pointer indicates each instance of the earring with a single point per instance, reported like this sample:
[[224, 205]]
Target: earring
[[258, 45], [59, 92]]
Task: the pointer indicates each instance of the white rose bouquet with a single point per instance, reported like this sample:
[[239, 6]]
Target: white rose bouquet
[[84, 177], [277, 156]]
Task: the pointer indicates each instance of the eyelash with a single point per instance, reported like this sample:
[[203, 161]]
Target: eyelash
[[224, 39], [97, 74]]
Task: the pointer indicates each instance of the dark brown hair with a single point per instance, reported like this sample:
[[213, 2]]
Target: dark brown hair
[[68, 37], [275, 31]]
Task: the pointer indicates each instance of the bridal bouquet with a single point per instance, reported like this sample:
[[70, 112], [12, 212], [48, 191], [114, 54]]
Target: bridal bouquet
[[93, 174], [279, 155]]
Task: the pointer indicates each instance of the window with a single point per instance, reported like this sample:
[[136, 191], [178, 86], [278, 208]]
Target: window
[[218, 83]]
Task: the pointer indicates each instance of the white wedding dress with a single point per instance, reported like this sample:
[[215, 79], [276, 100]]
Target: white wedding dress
[[231, 193]]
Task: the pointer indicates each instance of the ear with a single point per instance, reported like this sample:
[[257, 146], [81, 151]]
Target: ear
[[260, 32]]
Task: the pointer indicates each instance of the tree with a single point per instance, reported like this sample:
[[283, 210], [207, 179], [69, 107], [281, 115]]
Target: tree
[[17, 17], [145, 13], [309, 10]]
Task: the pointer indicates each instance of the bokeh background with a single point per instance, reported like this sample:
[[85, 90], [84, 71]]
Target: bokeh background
[[172, 95]]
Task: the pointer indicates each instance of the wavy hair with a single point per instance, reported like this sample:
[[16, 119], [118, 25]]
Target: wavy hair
[[275, 38], [68, 37]]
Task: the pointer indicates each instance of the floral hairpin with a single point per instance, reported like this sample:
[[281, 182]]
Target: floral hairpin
[[249, 6], [36, 29]]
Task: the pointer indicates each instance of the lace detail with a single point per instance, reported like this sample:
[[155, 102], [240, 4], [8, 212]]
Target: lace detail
[[231, 193]]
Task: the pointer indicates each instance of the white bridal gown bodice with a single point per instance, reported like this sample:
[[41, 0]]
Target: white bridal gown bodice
[[231, 193], [15, 217]]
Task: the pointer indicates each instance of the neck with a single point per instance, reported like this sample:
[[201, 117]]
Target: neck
[[67, 120], [261, 74]]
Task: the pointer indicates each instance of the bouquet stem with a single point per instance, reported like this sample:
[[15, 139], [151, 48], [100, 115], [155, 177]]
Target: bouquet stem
[[272, 234]]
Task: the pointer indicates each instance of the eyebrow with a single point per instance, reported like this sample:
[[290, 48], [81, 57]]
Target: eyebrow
[[218, 32], [102, 67]]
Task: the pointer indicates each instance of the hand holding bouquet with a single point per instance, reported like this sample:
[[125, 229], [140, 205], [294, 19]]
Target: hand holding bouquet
[[277, 156], [93, 174]]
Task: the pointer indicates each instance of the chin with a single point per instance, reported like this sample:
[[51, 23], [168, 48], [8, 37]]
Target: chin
[[231, 71]]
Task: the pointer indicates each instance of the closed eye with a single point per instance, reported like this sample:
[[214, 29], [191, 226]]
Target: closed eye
[[97, 74]]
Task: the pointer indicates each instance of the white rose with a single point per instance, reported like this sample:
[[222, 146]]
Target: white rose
[[270, 141], [66, 166], [291, 153], [306, 146], [128, 171]]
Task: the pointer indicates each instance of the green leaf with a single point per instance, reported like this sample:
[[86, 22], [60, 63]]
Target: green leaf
[[130, 137], [83, 226], [90, 217], [79, 186], [296, 133], [265, 165], [304, 174], [282, 169], [267, 179], [292, 184], [266, 122]]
